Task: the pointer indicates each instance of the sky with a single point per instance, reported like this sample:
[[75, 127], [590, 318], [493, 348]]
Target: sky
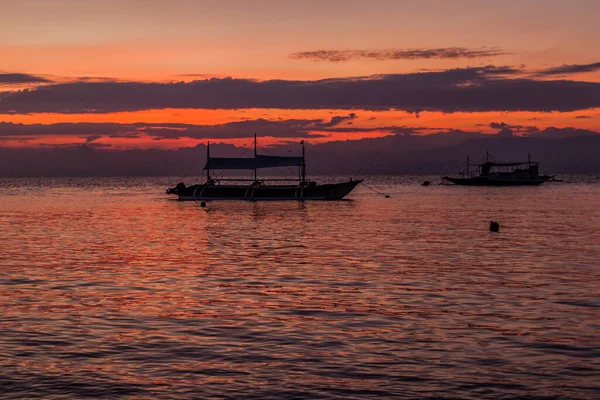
[[169, 74]]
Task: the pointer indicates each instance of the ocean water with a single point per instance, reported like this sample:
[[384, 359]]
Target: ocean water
[[110, 289]]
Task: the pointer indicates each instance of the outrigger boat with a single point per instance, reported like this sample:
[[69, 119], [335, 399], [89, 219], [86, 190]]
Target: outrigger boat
[[260, 189], [501, 174]]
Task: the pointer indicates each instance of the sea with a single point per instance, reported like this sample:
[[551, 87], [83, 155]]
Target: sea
[[111, 289]]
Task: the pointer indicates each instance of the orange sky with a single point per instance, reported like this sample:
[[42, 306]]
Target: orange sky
[[436, 121], [468, 121], [182, 40]]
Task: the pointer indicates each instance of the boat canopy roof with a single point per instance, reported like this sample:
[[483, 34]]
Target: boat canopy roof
[[259, 161], [511, 164]]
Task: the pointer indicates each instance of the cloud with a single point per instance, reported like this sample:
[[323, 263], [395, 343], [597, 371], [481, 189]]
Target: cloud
[[290, 128], [197, 76], [408, 130], [498, 125], [125, 135], [509, 129], [572, 150], [337, 120], [99, 145], [281, 129], [489, 88], [570, 69], [21, 78], [534, 131], [95, 79], [92, 138], [396, 54], [64, 129], [234, 130], [562, 133]]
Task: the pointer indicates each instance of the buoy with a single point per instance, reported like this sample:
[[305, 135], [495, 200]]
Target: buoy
[[387, 196], [203, 204], [494, 226], [426, 183]]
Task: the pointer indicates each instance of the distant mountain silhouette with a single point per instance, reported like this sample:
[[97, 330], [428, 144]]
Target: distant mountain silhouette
[[565, 150]]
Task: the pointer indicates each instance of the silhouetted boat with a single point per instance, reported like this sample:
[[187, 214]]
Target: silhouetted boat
[[501, 174], [259, 189]]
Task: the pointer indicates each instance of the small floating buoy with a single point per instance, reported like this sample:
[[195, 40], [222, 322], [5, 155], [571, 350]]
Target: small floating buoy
[[426, 183], [387, 196], [203, 204], [494, 226]]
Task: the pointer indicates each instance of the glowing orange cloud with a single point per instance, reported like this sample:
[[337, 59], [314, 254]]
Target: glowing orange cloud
[[367, 123]]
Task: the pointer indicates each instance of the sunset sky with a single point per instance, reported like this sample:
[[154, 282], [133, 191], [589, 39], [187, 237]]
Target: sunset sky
[[169, 74]]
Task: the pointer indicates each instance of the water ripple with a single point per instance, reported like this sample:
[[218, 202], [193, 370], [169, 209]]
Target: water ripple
[[107, 292]]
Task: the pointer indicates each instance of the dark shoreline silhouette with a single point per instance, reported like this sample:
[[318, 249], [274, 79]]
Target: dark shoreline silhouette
[[397, 154]]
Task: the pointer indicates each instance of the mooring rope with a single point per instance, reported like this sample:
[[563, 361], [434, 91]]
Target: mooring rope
[[375, 190]]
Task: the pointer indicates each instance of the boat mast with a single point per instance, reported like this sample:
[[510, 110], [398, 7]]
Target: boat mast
[[303, 166], [467, 171], [255, 175], [208, 161]]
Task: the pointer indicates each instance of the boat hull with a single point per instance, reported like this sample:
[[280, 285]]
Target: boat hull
[[333, 191], [490, 181]]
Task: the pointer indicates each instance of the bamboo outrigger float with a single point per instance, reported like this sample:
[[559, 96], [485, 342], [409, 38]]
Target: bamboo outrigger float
[[255, 189]]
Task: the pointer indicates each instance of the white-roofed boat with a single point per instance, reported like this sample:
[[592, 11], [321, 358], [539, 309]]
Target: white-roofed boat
[[261, 189], [525, 173]]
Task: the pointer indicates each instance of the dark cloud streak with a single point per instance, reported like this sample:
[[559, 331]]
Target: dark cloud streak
[[396, 54], [473, 89], [291, 128], [21, 78], [92, 138], [570, 69]]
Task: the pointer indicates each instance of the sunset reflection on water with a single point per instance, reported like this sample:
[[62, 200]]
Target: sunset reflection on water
[[110, 289]]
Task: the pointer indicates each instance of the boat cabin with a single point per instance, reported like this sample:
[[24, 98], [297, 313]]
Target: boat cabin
[[517, 169]]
